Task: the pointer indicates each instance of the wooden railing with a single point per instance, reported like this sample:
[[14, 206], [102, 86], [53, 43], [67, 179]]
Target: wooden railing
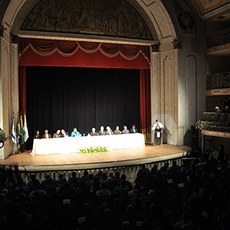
[[130, 170], [218, 80]]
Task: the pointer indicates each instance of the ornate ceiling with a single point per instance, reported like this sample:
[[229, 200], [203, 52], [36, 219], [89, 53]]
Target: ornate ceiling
[[213, 9]]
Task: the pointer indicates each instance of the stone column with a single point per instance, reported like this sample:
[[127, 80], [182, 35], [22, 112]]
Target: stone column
[[8, 91], [155, 88], [5, 102], [169, 94], [14, 87]]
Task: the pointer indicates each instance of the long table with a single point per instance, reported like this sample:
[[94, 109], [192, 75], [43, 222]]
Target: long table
[[75, 144]]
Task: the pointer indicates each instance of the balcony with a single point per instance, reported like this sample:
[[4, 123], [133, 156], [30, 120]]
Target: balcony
[[218, 84], [219, 38], [218, 80], [215, 124], [219, 44]]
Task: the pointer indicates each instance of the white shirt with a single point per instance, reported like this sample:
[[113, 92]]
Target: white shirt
[[158, 125]]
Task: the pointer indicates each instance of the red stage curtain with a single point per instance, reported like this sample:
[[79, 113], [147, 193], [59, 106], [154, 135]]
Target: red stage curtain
[[39, 52], [22, 90], [145, 103], [34, 52]]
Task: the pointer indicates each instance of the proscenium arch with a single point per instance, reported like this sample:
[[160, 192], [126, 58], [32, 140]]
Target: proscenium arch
[[159, 22], [153, 12]]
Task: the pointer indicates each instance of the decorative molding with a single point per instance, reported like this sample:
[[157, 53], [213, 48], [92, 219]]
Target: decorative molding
[[155, 47], [2, 29], [206, 6], [219, 50], [14, 38], [176, 44], [148, 3], [185, 18], [215, 133], [186, 21], [218, 92]]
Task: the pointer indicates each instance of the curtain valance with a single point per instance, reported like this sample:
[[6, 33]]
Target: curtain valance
[[38, 52]]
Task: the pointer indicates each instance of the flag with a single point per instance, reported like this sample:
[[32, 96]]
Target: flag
[[26, 129], [13, 134], [20, 131]]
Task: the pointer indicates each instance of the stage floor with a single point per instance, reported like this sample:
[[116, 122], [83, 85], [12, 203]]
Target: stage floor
[[78, 161]]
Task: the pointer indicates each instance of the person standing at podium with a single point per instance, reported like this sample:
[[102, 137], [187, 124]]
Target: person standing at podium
[[158, 132]]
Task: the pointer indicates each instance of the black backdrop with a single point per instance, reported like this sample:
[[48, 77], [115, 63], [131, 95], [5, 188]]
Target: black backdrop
[[59, 97]]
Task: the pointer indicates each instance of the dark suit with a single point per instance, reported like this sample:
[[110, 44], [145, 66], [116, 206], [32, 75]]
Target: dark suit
[[101, 132], [44, 136], [93, 134], [133, 130]]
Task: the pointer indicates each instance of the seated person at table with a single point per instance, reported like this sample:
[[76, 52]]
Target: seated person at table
[[108, 131], [37, 135], [75, 133], [117, 130], [133, 129], [57, 134], [46, 134], [93, 132], [125, 130], [63, 133], [101, 131]]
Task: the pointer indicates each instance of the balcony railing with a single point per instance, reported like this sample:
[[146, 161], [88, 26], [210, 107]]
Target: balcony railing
[[214, 122], [218, 80]]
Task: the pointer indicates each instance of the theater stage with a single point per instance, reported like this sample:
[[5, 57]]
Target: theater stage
[[78, 161]]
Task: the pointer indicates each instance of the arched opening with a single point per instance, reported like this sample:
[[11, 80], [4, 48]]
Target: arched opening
[[17, 16]]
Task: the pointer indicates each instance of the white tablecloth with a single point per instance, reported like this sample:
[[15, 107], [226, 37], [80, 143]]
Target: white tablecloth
[[74, 144]]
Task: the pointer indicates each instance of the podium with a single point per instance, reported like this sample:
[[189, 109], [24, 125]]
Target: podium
[[158, 137]]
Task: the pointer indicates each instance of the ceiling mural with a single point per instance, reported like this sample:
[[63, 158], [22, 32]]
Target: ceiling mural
[[106, 18]]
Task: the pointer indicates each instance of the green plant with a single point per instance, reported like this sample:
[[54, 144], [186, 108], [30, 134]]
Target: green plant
[[3, 137], [94, 149]]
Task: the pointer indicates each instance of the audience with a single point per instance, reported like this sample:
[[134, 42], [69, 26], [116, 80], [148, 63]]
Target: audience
[[193, 195]]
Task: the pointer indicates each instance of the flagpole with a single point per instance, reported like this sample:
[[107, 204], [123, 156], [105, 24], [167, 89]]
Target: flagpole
[[14, 137]]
